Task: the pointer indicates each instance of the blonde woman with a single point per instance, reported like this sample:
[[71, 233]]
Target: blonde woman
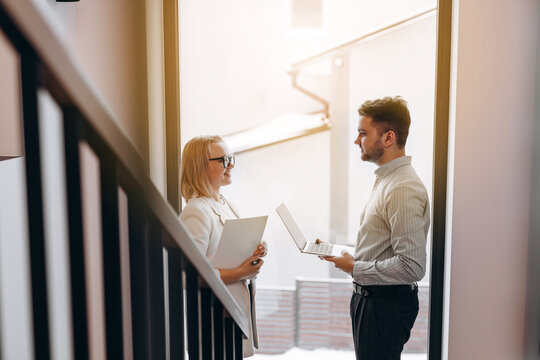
[[206, 167]]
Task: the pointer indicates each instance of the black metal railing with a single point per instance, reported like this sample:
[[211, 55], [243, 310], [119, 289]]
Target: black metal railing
[[166, 270]]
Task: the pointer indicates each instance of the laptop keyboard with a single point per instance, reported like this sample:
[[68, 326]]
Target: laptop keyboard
[[322, 248]]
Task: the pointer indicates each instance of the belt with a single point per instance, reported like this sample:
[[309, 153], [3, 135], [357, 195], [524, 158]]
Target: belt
[[384, 290]]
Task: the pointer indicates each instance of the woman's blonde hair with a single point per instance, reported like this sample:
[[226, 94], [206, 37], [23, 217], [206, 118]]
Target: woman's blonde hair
[[194, 181]]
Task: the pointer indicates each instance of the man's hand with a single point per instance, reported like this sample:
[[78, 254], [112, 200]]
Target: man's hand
[[345, 262]]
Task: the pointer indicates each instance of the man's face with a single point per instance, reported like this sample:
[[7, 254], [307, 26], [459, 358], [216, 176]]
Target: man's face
[[369, 140]]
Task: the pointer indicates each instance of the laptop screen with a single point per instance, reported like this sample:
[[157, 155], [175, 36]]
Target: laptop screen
[[291, 226]]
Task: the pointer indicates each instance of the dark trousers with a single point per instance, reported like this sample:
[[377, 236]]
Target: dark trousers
[[382, 319]]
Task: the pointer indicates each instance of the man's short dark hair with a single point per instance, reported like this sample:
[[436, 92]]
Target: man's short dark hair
[[389, 113]]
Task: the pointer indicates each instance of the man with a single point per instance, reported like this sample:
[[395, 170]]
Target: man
[[390, 254]]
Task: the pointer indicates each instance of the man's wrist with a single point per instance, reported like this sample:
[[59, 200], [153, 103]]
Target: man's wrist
[[352, 270]]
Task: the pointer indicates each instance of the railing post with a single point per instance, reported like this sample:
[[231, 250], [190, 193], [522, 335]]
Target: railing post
[[207, 329], [218, 329], [139, 281], [30, 84], [229, 339], [111, 255], [238, 349], [146, 252], [193, 312], [156, 305], [176, 304], [73, 132]]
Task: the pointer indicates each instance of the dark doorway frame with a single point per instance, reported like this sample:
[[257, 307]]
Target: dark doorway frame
[[171, 46], [440, 167]]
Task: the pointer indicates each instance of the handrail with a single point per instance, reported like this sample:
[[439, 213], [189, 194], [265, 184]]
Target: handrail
[[360, 38], [294, 75], [36, 22]]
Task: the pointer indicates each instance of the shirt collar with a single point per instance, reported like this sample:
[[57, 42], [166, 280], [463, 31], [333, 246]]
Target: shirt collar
[[390, 166]]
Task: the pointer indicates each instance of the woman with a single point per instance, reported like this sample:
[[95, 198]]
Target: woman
[[206, 167]]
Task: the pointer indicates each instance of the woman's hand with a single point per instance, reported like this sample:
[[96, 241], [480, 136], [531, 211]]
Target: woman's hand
[[245, 271], [261, 250], [250, 268]]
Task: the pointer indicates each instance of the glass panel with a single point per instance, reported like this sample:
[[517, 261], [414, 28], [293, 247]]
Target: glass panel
[[234, 80], [51, 127], [15, 305], [93, 251]]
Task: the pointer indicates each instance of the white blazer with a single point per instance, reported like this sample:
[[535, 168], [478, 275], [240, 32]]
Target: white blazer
[[204, 220]]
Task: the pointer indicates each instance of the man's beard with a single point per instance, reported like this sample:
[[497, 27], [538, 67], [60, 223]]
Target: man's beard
[[375, 153]]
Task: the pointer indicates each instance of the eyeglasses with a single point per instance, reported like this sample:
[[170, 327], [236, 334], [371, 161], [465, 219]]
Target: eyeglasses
[[226, 160]]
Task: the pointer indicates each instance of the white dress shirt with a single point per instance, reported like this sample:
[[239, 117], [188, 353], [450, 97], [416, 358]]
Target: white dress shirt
[[391, 243]]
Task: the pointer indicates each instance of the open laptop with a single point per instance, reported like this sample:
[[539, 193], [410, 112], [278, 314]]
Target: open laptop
[[308, 247]]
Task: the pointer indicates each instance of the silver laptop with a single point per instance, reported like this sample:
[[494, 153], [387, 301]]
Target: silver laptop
[[308, 247]]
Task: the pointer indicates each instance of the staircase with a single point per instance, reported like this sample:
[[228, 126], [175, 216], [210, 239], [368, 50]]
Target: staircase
[[137, 287]]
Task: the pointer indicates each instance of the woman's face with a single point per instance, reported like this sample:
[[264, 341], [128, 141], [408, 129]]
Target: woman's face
[[217, 173]]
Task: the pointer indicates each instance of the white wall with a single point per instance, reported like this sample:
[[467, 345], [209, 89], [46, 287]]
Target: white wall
[[15, 302], [10, 113], [493, 95], [107, 39]]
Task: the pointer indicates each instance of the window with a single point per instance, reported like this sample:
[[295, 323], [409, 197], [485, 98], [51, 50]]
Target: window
[[234, 60]]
